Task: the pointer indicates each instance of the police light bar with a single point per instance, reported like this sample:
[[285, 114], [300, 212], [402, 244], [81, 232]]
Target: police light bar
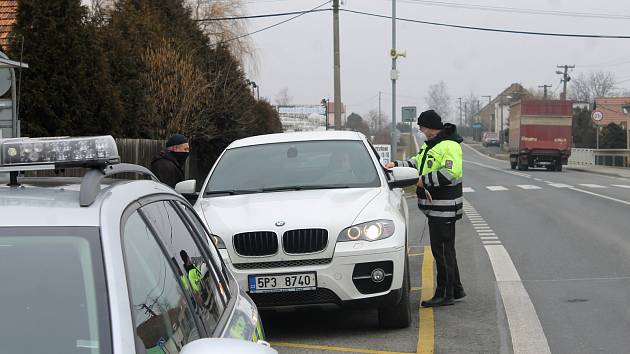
[[57, 152]]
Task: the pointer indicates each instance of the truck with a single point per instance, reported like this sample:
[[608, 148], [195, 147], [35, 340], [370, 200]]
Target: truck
[[540, 134]]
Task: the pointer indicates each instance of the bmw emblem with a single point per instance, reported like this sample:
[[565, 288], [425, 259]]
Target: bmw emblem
[[279, 223]]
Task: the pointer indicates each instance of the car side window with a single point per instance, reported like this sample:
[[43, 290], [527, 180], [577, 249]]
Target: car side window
[[162, 318], [208, 294], [198, 226]]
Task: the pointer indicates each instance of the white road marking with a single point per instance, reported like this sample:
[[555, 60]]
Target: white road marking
[[486, 234], [592, 185], [481, 227], [621, 185], [490, 242], [489, 237], [538, 179], [496, 188], [527, 186], [560, 185], [601, 196], [525, 328], [468, 190]]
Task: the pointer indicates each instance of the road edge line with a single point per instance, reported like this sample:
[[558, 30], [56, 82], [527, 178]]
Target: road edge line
[[426, 331]]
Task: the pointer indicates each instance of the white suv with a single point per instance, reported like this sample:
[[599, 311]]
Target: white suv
[[312, 218]]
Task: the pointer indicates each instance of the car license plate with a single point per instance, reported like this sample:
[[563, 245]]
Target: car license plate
[[282, 282]]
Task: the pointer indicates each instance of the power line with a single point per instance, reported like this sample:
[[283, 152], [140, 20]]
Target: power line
[[245, 17], [517, 10], [487, 29], [271, 26]]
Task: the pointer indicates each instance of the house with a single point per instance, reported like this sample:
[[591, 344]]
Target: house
[[615, 110], [490, 114], [8, 13]]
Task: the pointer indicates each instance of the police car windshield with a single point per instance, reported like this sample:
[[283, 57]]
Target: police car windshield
[[54, 297], [295, 166]]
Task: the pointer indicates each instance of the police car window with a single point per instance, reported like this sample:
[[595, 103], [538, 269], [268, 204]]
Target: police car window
[[222, 272], [162, 317], [209, 295], [53, 295]]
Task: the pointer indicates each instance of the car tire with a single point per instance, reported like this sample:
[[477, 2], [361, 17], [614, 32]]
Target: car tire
[[513, 165], [399, 315]]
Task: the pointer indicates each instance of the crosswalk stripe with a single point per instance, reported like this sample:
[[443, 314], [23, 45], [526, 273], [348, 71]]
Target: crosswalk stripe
[[592, 185], [468, 190], [560, 185], [527, 186], [496, 188], [621, 186]]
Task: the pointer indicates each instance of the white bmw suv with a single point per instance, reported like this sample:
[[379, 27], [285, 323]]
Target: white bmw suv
[[311, 219]]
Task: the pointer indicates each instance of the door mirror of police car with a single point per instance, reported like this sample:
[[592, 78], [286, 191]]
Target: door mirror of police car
[[403, 177], [226, 345]]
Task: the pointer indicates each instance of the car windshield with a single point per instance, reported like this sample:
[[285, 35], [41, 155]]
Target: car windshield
[[293, 166], [53, 298]]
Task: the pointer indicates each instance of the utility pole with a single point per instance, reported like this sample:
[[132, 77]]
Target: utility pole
[[565, 78], [394, 76], [337, 65], [545, 87], [380, 119], [460, 113]]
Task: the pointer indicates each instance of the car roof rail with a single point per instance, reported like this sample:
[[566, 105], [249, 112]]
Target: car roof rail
[[91, 182]]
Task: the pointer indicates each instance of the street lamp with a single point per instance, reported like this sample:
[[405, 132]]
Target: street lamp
[[325, 104], [254, 87]]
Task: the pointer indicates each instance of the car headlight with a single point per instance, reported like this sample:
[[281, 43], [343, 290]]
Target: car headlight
[[369, 231], [218, 241]]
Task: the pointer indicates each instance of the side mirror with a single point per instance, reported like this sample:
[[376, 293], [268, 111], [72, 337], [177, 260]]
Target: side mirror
[[187, 189], [403, 177], [226, 346]]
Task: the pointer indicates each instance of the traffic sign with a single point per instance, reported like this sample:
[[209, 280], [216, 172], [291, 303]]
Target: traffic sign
[[384, 151], [409, 114], [597, 116]]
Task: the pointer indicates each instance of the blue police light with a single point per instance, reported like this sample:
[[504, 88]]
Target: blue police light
[[58, 152]]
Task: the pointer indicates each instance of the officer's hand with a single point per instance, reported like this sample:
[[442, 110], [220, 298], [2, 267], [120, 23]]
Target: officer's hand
[[420, 184], [390, 165]]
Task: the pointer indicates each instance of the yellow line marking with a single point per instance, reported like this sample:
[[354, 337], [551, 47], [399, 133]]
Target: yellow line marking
[[426, 337], [332, 349]]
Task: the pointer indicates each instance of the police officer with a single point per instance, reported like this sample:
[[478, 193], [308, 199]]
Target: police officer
[[439, 191]]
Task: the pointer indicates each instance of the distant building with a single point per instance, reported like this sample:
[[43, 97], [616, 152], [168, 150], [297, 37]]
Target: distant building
[[490, 114], [331, 115], [302, 117]]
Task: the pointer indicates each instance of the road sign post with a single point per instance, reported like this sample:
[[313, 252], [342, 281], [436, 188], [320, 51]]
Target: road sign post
[[384, 152], [409, 116], [597, 117]]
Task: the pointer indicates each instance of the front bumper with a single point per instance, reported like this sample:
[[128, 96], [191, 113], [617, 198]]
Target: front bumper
[[335, 284]]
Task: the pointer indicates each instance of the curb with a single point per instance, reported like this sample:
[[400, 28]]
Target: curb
[[605, 173]]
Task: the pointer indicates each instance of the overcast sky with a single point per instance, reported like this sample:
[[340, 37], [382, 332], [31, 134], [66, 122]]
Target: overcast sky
[[298, 54]]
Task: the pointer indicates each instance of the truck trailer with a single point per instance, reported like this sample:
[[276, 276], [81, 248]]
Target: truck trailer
[[540, 134]]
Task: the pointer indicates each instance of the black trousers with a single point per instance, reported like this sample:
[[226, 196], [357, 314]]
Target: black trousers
[[442, 236]]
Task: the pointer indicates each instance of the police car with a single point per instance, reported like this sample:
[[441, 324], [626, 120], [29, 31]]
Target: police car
[[95, 265], [312, 219]]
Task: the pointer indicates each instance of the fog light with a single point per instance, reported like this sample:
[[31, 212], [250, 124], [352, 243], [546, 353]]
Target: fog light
[[378, 275]]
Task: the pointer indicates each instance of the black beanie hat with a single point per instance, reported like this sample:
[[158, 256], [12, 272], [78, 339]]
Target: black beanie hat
[[176, 139], [430, 119]]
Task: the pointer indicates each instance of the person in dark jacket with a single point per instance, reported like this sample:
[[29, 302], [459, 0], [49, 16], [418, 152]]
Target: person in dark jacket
[[440, 197], [168, 165]]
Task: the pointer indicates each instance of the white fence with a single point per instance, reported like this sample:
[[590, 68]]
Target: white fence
[[582, 157]]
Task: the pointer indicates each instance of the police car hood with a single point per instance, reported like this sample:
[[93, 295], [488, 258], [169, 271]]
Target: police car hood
[[330, 209]]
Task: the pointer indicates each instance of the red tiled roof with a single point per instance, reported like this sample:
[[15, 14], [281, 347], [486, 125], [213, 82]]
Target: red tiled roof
[[8, 9], [612, 108]]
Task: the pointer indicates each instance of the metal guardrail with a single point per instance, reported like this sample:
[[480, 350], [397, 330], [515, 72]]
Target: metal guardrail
[[600, 157]]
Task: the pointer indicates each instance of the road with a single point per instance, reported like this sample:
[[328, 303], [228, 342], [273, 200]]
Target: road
[[544, 258]]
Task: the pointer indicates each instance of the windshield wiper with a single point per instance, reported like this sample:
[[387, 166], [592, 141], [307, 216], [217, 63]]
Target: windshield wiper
[[233, 191], [301, 188]]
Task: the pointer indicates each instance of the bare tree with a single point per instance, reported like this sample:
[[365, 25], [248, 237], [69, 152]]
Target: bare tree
[[177, 89], [283, 98], [229, 32], [595, 84], [439, 100], [375, 121]]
